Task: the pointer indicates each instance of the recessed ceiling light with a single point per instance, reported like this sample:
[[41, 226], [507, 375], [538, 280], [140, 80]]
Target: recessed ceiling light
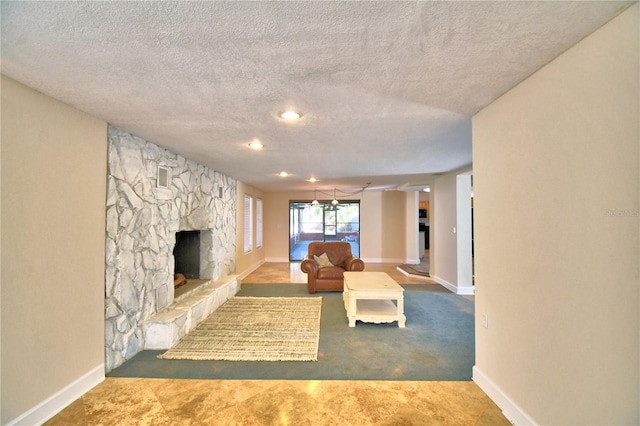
[[255, 144], [290, 115], [283, 174], [312, 180]]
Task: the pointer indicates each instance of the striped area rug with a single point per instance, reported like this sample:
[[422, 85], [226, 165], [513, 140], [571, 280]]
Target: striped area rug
[[255, 329]]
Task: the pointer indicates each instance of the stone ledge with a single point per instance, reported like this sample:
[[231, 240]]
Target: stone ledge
[[164, 329]]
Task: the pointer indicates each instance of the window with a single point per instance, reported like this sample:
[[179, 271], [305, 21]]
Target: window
[[324, 222], [258, 223], [248, 220]]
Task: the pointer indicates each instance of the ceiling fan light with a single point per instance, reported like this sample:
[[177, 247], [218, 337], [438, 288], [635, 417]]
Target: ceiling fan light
[[335, 199]]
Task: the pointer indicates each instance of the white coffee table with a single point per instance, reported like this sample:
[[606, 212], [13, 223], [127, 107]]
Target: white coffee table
[[369, 296]]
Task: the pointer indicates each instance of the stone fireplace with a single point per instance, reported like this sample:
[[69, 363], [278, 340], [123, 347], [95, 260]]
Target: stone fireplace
[[141, 226]]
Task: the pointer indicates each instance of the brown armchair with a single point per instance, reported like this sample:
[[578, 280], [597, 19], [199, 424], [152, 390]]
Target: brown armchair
[[329, 278]]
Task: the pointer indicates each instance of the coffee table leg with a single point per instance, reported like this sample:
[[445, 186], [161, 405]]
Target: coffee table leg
[[352, 310], [401, 318]]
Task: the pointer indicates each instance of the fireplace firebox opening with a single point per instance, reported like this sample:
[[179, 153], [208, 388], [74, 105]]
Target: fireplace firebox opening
[[187, 257], [191, 267]]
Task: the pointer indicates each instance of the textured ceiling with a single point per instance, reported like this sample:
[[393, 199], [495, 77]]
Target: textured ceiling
[[386, 89]]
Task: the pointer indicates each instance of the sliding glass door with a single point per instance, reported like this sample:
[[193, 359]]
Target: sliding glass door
[[322, 222]]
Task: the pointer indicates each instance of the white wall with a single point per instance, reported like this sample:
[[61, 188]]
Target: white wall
[[556, 267], [53, 248]]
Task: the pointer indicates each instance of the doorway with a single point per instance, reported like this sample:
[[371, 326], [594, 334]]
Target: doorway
[[322, 222]]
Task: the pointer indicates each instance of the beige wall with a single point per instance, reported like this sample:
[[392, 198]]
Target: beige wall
[[53, 237], [557, 272], [383, 226], [276, 224], [413, 249], [443, 220], [247, 262]]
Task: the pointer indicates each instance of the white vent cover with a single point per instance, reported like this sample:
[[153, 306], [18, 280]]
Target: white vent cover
[[164, 176]]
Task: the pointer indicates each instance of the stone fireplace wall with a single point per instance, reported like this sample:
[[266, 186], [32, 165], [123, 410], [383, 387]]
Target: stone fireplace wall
[[142, 220]]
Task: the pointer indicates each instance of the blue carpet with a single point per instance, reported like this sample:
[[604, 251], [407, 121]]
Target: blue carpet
[[438, 343]]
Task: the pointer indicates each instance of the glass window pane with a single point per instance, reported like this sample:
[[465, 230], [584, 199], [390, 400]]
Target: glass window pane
[[258, 222], [248, 220], [323, 223]]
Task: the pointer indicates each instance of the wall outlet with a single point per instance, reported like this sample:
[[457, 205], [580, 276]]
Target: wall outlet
[[485, 321]]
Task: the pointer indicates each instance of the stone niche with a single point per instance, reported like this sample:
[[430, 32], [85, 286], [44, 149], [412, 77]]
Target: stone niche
[[141, 225]]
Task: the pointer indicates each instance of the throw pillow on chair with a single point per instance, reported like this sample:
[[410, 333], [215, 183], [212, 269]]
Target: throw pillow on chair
[[323, 261]]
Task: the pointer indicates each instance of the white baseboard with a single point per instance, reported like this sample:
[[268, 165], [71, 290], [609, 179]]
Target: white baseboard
[[61, 399], [250, 269], [445, 283], [510, 409], [454, 288]]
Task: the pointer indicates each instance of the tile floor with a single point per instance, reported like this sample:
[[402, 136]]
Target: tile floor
[[136, 401], [289, 272], [121, 401]]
